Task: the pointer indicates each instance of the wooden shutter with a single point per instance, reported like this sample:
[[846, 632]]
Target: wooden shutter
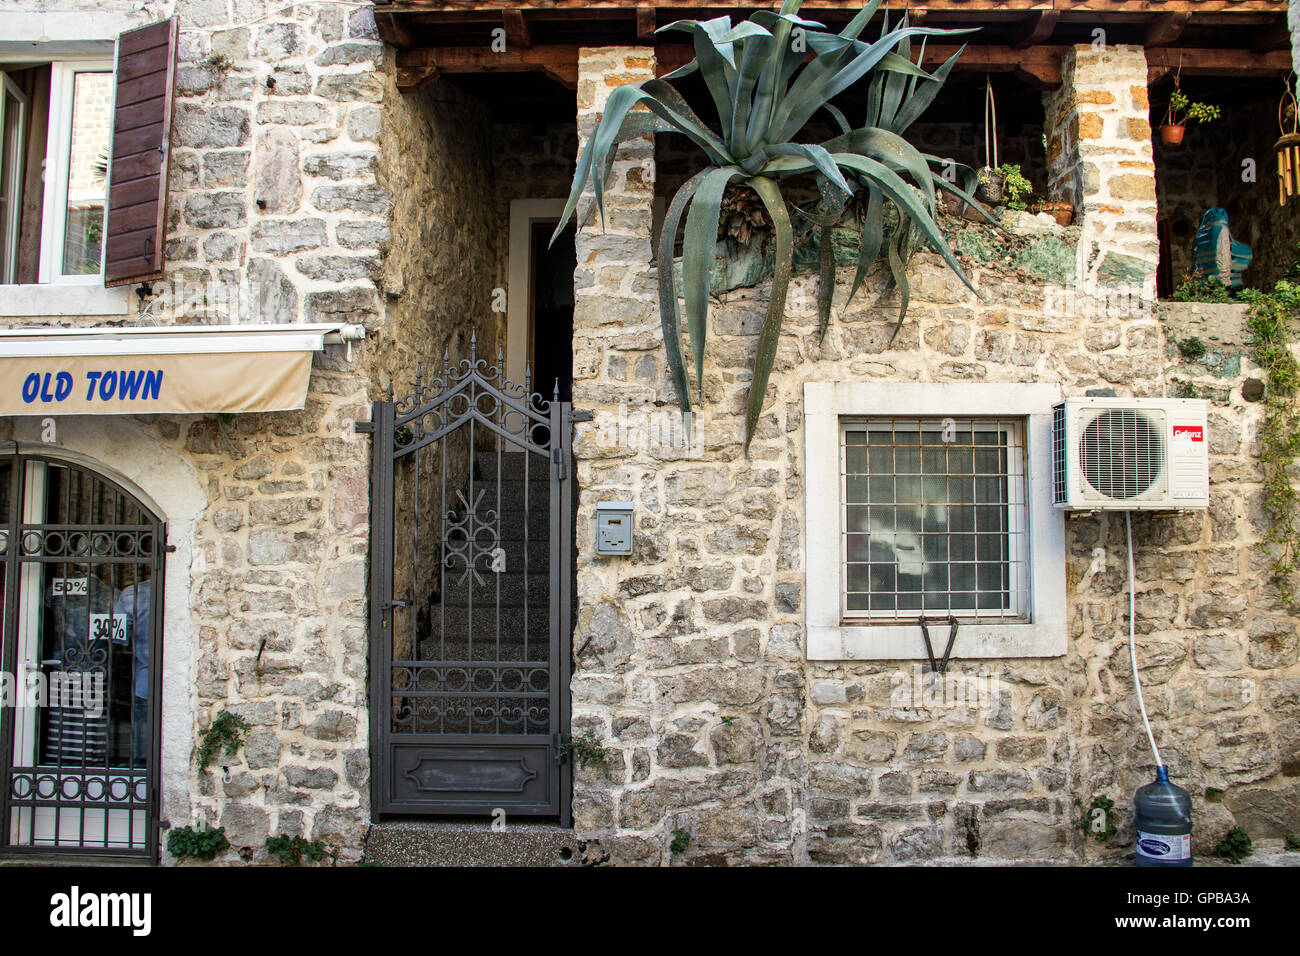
[[137, 185]]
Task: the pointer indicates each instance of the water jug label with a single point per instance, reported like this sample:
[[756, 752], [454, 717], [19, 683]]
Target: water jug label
[[1158, 847]]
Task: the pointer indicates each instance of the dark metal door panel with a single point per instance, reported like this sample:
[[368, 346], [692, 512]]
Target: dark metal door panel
[[471, 596], [82, 622]]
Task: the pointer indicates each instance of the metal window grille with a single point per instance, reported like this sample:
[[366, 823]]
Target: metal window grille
[[934, 519]]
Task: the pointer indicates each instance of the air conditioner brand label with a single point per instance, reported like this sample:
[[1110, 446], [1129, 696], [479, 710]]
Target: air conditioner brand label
[[1189, 432]]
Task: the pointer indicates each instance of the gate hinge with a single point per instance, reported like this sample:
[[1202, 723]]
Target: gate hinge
[[364, 428], [557, 464], [583, 416]]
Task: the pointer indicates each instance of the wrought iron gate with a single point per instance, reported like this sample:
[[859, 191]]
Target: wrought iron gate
[[471, 597]]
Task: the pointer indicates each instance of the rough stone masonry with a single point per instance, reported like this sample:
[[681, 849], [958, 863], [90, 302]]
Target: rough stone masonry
[[696, 677]]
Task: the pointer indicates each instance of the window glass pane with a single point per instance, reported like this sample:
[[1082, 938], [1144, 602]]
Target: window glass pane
[[929, 522], [92, 127]]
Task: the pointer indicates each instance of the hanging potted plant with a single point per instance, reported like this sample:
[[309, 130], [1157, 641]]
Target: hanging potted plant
[[1182, 111], [991, 176]]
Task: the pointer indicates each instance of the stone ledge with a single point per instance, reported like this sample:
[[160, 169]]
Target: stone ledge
[[409, 843]]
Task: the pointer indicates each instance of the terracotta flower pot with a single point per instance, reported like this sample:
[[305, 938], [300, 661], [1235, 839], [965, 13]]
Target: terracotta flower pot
[[1062, 212], [1172, 135]]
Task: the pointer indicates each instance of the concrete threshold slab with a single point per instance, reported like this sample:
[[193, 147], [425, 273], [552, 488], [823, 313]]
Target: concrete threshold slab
[[424, 843]]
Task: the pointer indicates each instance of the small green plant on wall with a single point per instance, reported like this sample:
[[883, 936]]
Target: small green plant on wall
[[1016, 187], [1235, 847], [225, 735], [201, 843], [586, 750], [681, 842], [291, 851]]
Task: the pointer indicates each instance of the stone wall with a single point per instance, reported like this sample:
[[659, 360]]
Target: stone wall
[[304, 187], [694, 672]]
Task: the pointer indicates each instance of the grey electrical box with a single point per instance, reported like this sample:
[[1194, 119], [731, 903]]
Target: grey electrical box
[[614, 527]]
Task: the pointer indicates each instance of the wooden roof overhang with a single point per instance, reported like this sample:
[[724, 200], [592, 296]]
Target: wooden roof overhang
[[1024, 37]]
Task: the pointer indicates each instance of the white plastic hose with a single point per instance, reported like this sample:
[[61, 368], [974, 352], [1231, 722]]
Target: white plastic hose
[[1132, 631]]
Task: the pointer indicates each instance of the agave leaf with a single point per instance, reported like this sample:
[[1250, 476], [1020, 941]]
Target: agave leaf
[[873, 235], [890, 149], [697, 256], [663, 100], [751, 65], [837, 114], [669, 310], [820, 159], [781, 63], [902, 196], [798, 107], [826, 282], [924, 95], [898, 269], [859, 22], [770, 335]]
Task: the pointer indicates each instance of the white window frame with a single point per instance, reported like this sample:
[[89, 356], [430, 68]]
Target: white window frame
[[58, 153], [1017, 537], [14, 200], [830, 636]]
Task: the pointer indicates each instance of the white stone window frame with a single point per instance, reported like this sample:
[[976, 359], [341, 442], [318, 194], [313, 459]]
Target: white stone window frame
[[830, 637]]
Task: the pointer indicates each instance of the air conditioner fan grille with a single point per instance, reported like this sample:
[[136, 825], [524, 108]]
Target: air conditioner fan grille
[[1121, 453]]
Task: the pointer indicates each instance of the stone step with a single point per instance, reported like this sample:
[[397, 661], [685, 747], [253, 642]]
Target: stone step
[[420, 843]]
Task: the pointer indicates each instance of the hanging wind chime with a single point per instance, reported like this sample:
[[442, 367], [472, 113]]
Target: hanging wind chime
[[1288, 146]]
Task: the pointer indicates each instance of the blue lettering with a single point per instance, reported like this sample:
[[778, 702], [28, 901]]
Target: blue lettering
[[129, 387], [108, 385], [31, 385], [152, 384], [62, 386], [92, 378], [46, 395]]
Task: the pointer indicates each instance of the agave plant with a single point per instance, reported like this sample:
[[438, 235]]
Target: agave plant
[[765, 89]]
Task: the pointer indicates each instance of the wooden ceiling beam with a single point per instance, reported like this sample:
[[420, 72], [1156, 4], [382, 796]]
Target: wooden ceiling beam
[[646, 24], [1166, 28], [1039, 66], [1034, 29], [415, 68], [518, 35], [1196, 61]]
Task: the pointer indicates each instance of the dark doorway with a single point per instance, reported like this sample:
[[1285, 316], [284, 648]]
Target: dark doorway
[[550, 322]]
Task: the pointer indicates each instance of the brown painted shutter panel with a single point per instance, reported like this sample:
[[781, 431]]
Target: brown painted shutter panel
[[137, 185]]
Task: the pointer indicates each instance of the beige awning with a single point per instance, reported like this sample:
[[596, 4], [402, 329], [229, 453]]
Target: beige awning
[[174, 370]]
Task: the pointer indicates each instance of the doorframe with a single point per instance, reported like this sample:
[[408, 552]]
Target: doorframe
[[524, 214]]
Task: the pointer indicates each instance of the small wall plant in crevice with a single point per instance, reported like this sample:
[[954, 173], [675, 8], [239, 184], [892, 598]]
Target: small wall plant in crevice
[[586, 750], [225, 735], [201, 843], [291, 851]]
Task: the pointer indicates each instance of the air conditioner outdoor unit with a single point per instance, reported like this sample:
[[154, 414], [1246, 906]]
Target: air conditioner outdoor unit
[[1139, 454]]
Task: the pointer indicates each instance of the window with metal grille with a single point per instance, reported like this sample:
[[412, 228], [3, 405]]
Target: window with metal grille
[[935, 519]]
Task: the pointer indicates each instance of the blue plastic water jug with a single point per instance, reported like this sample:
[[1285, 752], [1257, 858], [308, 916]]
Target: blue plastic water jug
[[1164, 823]]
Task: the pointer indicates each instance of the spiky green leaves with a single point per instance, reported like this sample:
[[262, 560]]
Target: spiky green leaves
[[764, 89]]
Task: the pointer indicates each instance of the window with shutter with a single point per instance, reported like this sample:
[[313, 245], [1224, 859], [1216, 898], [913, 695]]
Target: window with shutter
[[137, 192]]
